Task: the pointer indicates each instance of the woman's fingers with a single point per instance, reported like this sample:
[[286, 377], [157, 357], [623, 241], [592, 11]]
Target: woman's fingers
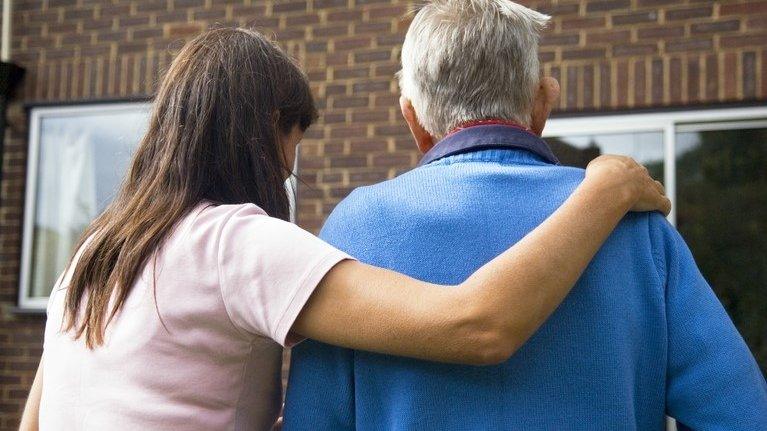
[[656, 197], [664, 205], [634, 178]]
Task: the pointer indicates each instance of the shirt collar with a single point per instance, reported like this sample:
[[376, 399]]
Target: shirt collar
[[489, 134]]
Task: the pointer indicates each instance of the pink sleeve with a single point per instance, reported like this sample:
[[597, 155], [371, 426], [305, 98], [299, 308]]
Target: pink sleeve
[[268, 268]]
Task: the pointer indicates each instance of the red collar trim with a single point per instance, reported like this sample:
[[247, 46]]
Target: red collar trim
[[487, 122]]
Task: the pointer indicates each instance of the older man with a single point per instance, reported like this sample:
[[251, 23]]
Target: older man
[[641, 335]]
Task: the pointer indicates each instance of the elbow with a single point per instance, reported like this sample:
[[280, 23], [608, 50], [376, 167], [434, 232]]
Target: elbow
[[492, 340], [494, 347]]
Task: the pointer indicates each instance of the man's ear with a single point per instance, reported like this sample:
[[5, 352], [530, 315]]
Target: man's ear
[[423, 139], [546, 97]]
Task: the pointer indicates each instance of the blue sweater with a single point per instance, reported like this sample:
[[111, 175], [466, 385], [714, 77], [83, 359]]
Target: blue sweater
[[641, 335]]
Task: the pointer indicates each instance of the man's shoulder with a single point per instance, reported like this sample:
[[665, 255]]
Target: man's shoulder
[[359, 213], [364, 203]]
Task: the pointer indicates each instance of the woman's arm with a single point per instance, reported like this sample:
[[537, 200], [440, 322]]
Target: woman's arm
[[489, 316], [29, 420]]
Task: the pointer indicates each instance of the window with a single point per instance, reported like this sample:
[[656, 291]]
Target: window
[[714, 166], [645, 147], [77, 157]]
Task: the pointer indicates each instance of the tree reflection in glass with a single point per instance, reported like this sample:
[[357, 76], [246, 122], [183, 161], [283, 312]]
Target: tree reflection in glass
[[721, 206]]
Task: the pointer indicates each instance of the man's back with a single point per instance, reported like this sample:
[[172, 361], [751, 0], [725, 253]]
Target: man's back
[[640, 335]]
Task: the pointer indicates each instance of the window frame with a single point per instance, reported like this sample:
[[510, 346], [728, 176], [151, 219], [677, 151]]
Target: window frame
[[669, 123], [36, 115]]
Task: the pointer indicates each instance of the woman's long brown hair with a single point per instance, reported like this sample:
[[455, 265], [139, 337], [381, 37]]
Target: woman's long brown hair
[[212, 137]]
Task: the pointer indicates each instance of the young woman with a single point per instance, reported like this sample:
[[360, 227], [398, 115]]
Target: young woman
[[173, 311]]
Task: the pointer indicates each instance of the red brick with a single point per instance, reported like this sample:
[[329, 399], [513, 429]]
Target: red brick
[[640, 83], [558, 9], [660, 32], [387, 11], [607, 5], [712, 77], [392, 160], [588, 89], [636, 17], [643, 3], [571, 54], [581, 23], [622, 79], [345, 15], [675, 85], [754, 39], [372, 27], [375, 144], [325, 4], [686, 13], [730, 76], [689, 45], [331, 31], [608, 37], [181, 30], [347, 161], [747, 8], [72, 14], [657, 79], [350, 131], [693, 79], [715, 27], [757, 23], [763, 93], [372, 86], [399, 129], [357, 42], [634, 49], [289, 6], [749, 75], [350, 101], [372, 56], [561, 39], [368, 176], [351, 72], [182, 4], [570, 89]]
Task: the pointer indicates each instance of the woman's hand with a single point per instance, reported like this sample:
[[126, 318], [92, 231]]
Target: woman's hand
[[629, 181]]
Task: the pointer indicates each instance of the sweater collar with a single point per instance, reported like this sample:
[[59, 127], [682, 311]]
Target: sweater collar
[[489, 134]]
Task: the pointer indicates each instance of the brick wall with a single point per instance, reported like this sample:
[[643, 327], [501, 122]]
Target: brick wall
[[607, 54]]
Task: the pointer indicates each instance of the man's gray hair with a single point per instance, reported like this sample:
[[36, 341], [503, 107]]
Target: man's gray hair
[[466, 60]]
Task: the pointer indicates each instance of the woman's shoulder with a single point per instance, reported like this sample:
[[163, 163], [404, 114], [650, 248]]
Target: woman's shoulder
[[212, 211], [232, 225], [210, 218]]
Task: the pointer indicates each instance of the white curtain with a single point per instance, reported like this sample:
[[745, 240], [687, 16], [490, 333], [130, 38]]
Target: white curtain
[[66, 201]]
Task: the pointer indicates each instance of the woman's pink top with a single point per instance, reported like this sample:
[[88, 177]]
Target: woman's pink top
[[207, 354]]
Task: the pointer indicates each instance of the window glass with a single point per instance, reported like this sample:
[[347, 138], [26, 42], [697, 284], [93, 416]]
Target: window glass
[[721, 206], [82, 157], [645, 147]]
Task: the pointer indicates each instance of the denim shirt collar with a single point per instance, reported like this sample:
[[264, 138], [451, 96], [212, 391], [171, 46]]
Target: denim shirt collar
[[492, 136]]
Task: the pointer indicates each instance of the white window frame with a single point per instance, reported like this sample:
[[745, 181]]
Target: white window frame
[[37, 114], [668, 123]]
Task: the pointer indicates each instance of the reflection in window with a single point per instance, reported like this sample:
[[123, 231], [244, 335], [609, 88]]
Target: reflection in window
[[82, 156], [722, 214], [646, 148]]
